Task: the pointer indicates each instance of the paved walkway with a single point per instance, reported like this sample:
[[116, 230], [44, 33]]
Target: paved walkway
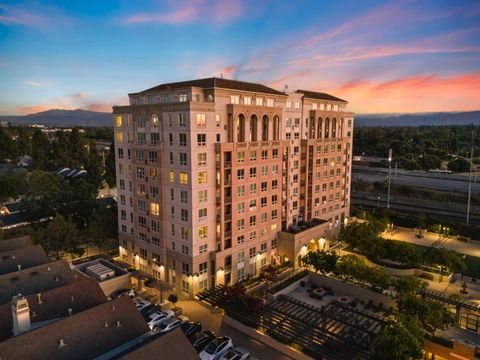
[[433, 239], [210, 321]]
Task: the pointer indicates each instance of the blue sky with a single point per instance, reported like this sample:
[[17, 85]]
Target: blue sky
[[398, 56]]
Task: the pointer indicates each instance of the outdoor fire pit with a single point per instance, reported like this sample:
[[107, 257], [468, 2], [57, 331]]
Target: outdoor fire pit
[[344, 299]]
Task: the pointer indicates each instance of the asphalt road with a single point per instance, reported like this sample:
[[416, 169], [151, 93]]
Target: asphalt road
[[413, 179]]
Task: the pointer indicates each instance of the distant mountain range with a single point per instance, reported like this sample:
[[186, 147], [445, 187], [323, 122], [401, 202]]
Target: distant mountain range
[[419, 119], [68, 118], [63, 118]]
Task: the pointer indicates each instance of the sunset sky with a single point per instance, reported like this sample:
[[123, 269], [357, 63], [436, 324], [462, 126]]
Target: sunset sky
[[382, 57]]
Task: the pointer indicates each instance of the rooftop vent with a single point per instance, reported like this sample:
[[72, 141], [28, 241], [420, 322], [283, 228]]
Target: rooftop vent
[[70, 311], [100, 272], [106, 323], [61, 343], [39, 298], [119, 323]]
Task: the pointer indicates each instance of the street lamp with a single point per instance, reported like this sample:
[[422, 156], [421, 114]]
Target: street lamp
[[389, 176]]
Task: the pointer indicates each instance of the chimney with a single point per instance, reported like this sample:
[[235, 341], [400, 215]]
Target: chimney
[[20, 314], [19, 267], [69, 311], [39, 298], [61, 343], [119, 323]]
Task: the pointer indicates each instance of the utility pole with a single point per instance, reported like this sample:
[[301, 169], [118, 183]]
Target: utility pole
[[389, 176], [470, 183]]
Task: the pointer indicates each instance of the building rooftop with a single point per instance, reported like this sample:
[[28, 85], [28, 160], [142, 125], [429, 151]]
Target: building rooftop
[[215, 82], [304, 225], [15, 243], [23, 258], [319, 95], [98, 268], [84, 335], [35, 279], [54, 304], [154, 348]]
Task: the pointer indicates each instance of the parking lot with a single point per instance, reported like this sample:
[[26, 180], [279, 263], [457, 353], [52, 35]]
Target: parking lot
[[213, 322]]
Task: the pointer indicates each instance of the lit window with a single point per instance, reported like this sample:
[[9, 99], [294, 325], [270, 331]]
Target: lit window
[[119, 137], [172, 176], [182, 97], [202, 232], [234, 99], [202, 158], [118, 121], [202, 177], [155, 209], [183, 178], [201, 122]]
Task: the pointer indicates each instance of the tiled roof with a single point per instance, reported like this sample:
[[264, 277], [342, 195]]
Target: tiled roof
[[319, 95], [175, 341], [215, 82], [16, 243], [85, 335], [55, 304], [25, 258], [35, 279]]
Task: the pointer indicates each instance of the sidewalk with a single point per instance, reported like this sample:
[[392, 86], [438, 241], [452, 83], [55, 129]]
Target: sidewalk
[[433, 239]]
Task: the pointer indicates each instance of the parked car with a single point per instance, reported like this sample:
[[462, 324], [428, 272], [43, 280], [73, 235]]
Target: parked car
[[237, 354], [216, 348], [157, 318], [201, 339], [167, 325], [141, 304], [123, 292], [149, 310], [190, 328]]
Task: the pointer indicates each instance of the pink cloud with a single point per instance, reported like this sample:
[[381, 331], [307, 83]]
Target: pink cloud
[[25, 110], [99, 107], [191, 11], [413, 94], [34, 83], [34, 16]]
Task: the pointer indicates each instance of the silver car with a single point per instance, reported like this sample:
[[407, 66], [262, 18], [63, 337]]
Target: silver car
[[167, 325]]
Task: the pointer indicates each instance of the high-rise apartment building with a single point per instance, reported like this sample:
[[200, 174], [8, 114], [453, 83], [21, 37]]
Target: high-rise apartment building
[[217, 178]]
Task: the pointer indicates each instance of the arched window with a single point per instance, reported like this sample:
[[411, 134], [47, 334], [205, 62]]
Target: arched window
[[341, 128], [265, 121], [334, 128], [276, 128], [240, 128], [319, 128], [327, 128], [253, 128]]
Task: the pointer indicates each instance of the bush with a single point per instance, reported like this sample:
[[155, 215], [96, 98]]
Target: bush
[[288, 282], [173, 298]]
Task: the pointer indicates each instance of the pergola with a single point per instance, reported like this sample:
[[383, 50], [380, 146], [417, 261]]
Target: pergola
[[337, 331]]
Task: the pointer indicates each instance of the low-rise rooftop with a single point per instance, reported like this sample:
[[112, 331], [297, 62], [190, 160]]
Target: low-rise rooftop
[[54, 304], [15, 243], [23, 258], [35, 279], [84, 335]]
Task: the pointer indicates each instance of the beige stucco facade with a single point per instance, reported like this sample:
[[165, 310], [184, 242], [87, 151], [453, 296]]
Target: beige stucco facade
[[208, 177]]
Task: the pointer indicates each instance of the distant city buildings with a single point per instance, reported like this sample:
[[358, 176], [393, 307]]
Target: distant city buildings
[[217, 178]]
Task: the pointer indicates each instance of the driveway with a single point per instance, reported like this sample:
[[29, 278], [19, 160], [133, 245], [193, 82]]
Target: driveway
[[211, 321]]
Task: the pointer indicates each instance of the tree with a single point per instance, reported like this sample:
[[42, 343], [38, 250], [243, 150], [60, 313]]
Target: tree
[[41, 150], [432, 315], [93, 165], [110, 173], [102, 226], [61, 235], [399, 341], [460, 164], [409, 285], [11, 186], [321, 260]]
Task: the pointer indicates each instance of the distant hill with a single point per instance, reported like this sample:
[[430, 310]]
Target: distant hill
[[80, 117], [419, 119], [64, 118]]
